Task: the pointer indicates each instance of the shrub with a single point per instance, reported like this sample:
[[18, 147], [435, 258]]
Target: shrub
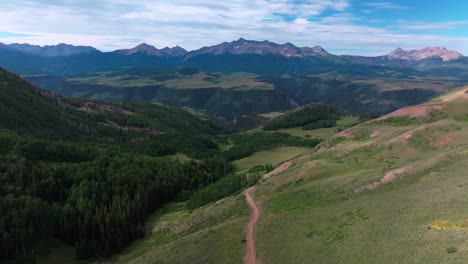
[[338, 140], [397, 121], [452, 250]]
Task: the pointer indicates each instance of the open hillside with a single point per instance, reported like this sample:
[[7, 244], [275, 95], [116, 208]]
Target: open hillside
[[392, 187], [390, 190]]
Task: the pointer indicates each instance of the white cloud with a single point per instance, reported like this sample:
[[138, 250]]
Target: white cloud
[[420, 25], [386, 5]]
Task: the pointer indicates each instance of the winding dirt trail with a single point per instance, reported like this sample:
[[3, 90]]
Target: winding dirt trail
[[251, 257]]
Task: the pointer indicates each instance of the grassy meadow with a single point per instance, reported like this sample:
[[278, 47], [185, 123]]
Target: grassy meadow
[[412, 210], [199, 80], [211, 234], [274, 157]]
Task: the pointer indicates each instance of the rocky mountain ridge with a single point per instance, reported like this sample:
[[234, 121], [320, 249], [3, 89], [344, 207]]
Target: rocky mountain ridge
[[425, 53]]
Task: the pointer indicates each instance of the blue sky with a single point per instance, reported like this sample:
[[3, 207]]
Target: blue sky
[[340, 26]]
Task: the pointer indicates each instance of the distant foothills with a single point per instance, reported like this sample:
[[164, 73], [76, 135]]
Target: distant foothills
[[238, 47]]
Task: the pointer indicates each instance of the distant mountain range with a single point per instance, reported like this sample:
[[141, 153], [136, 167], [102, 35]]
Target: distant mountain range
[[209, 79], [258, 57], [243, 46], [237, 47], [49, 51]]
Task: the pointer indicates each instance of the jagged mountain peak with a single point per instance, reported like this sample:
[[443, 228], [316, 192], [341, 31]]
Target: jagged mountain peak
[[244, 46], [153, 51], [143, 48], [425, 53], [175, 51], [61, 49], [315, 51], [145, 45]]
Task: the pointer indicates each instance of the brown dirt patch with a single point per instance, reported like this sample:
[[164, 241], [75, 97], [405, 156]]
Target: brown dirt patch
[[452, 96], [278, 170], [392, 175], [387, 178], [414, 111], [347, 134], [404, 138], [443, 140], [376, 133]]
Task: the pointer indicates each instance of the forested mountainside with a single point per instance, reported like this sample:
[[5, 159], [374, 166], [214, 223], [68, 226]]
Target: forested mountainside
[[87, 174]]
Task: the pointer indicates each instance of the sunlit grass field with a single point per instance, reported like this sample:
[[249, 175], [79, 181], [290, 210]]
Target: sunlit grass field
[[273, 157], [197, 81]]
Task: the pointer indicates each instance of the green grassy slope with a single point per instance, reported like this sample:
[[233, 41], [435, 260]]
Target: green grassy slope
[[331, 206], [309, 121], [211, 234]]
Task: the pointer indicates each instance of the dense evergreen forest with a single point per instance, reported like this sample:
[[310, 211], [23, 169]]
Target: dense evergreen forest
[[90, 197], [88, 174], [227, 186]]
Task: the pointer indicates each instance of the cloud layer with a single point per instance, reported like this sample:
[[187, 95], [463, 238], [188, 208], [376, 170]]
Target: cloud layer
[[338, 25]]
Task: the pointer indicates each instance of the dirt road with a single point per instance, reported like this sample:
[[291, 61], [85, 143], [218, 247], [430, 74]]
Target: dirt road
[[278, 170], [251, 257]]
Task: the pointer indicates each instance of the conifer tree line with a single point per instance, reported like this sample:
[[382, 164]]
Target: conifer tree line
[[93, 199]]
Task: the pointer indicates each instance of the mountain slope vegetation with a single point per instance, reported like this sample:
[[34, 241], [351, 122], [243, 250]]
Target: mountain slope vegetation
[[86, 175], [387, 190], [364, 192], [70, 168], [310, 116]]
